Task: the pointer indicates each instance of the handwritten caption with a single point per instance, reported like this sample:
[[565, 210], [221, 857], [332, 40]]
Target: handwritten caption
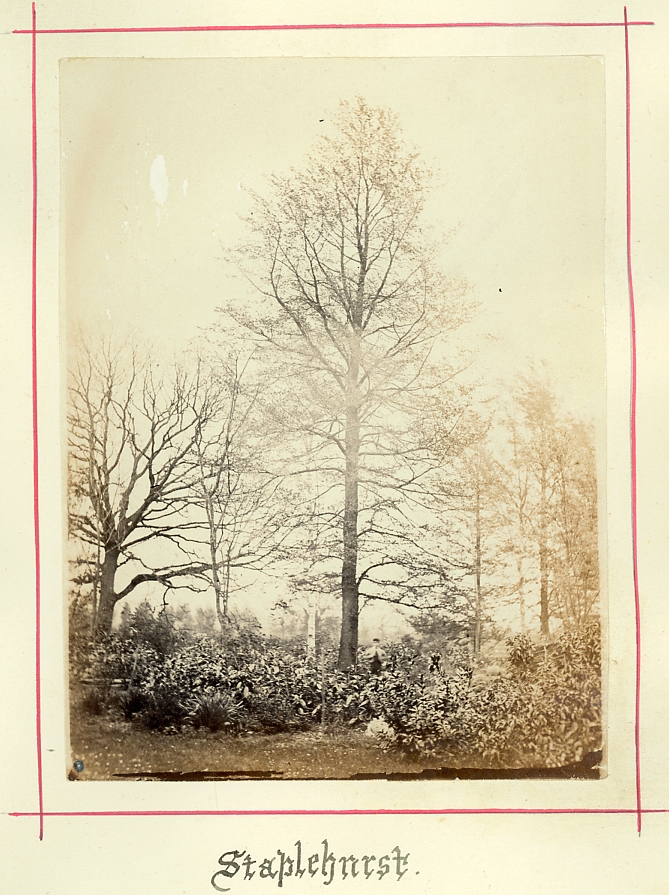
[[297, 864]]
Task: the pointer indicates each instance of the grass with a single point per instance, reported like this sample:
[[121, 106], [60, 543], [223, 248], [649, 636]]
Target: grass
[[114, 749]]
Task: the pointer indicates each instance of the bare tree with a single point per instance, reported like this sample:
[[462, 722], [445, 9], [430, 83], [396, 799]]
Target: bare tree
[[131, 434], [482, 491], [466, 503], [551, 490], [248, 511], [353, 304], [516, 510], [574, 558], [537, 405]]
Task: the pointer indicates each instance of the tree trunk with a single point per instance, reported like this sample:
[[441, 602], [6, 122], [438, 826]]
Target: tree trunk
[[543, 557], [311, 626], [520, 565], [348, 644], [107, 599], [477, 616], [521, 595], [543, 590], [96, 589], [221, 605], [221, 597]]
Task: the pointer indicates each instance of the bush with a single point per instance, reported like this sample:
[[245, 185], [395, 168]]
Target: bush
[[545, 712], [544, 709], [94, 702], [215, 711], [164, 710], [154, 629], [271, 715], [130, 702]]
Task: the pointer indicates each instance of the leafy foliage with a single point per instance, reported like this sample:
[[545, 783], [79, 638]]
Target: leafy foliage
[[542, 710], [215, 711], [130, 702], [94, 701]]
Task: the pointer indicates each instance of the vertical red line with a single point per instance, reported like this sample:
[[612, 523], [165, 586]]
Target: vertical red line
[[633, 453], [38, 651]]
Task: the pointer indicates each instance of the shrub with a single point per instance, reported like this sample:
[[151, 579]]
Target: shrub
[[522, 653], [164, 710], [544, 709], [154, 629], [545, 712], [273, 715], [130, 702], [94, 701], [215, 711]]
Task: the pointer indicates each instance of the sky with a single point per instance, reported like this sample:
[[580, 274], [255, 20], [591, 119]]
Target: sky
[[156, 157]]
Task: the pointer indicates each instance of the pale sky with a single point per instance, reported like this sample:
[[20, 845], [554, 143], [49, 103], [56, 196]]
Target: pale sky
[[156, 153]]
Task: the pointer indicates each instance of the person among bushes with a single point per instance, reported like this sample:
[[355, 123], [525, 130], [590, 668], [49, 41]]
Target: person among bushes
[[376, 657]]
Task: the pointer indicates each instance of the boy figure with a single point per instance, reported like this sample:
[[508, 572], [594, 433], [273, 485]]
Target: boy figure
[[376, 656]]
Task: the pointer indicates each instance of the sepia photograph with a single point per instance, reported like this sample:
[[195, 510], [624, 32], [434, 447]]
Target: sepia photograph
[[333, 353]]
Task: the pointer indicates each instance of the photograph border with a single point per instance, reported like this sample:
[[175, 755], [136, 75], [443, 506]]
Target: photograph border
[[638, 810]]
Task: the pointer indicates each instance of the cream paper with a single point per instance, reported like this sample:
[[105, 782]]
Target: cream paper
[[88, 97]]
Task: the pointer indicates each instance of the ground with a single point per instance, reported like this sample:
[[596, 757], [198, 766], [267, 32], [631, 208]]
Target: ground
[[112, 749]]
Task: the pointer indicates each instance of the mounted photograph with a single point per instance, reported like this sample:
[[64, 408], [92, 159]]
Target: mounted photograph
[[334, 416]]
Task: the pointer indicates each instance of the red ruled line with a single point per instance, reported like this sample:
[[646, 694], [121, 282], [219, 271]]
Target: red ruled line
[[346, 812], [36, 518], [633, 440], [331, 27]]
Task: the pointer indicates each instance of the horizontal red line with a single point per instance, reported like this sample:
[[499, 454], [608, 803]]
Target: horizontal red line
[[351, 811], [329, 27]]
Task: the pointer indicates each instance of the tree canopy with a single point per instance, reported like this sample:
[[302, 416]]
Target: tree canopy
[[355, 311]]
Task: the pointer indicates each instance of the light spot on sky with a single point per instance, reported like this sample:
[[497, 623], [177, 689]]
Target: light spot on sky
[[185, 186], [158, 179]]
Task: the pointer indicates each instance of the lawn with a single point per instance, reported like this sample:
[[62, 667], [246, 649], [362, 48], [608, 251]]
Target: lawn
[[111, 749]]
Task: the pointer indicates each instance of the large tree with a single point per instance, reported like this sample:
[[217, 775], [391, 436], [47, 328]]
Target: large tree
[[352, 304], [132, 431]]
